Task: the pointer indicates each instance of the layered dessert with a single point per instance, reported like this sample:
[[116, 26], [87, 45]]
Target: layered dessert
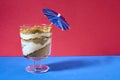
[[35, 40]]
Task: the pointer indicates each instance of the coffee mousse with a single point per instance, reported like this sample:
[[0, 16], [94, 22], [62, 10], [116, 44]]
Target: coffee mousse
[[35, 40]]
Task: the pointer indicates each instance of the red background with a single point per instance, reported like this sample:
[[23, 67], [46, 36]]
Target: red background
[[95, 25]]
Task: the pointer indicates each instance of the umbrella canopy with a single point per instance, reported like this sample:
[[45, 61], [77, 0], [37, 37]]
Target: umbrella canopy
[[56, 19]]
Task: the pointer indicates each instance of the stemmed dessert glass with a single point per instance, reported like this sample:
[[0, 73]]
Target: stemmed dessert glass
[[36, 45], [36, 39]]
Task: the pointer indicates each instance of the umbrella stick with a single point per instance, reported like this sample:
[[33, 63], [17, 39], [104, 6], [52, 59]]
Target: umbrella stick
[[51, 24]]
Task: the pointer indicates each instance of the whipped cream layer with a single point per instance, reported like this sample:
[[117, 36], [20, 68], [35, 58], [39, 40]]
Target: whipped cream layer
[[36, 35], [30, 47]]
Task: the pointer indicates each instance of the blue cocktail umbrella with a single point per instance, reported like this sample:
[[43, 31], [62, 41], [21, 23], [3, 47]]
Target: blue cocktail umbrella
[[56, 19]]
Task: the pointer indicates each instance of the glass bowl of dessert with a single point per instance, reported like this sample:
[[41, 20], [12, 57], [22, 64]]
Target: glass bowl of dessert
[[36, 45]]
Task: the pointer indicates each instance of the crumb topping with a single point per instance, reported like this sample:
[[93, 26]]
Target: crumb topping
[[35, 29]]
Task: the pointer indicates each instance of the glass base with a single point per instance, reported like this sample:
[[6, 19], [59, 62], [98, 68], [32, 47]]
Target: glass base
[[37, 69]]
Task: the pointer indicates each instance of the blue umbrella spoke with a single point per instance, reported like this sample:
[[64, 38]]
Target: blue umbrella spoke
[[55, 22], [49, 12], [60, 24], [54, 18], [51, 17], [64, 26], [65, 23]]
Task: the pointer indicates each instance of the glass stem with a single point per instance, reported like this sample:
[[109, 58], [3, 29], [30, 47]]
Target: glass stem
[[51, 24]]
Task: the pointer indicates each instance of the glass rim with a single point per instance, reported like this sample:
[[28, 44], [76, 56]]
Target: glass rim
[[35, 25]]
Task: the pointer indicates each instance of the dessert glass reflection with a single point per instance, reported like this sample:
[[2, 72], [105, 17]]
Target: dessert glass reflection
[[36, 45]]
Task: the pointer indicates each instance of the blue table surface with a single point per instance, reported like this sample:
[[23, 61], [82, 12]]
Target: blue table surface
[[63, 68]]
